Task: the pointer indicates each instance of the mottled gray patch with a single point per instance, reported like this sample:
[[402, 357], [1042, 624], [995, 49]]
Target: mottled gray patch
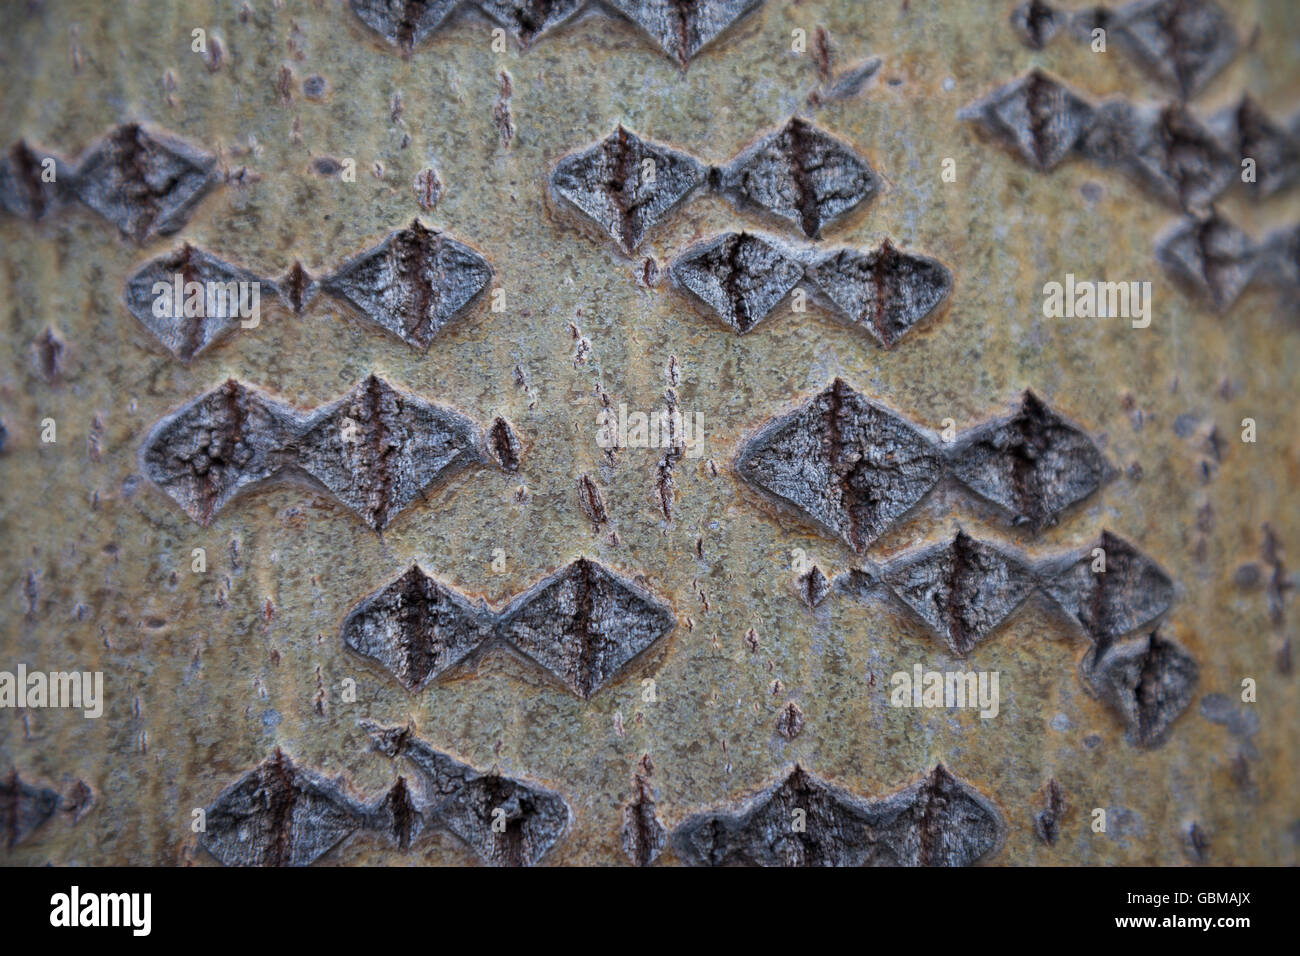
[[1186, 424], [1242, 721]]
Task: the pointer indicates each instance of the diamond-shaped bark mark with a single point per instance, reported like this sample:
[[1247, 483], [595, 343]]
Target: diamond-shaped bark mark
[[800, 174], [506, 822], [683, 27], [1182, 43], [297, 289], [146, 185], [625, 184], [1166, 149], [1034, 464], [1148, 681], [1179, 159], [413, 283], [223, 441], [833, 828], [23, 808], [278, 815], [850, 466], [403, 23], [528, 19], [1036, 116], [962, 590], [836, 828], [584, 625], [885, 292], [1249, 133], [416, 628], [739, 276], [24, 187], [377, 449], [1131, 592], [1114, 134], [188, 319], [1210, 256], [939, 821]]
